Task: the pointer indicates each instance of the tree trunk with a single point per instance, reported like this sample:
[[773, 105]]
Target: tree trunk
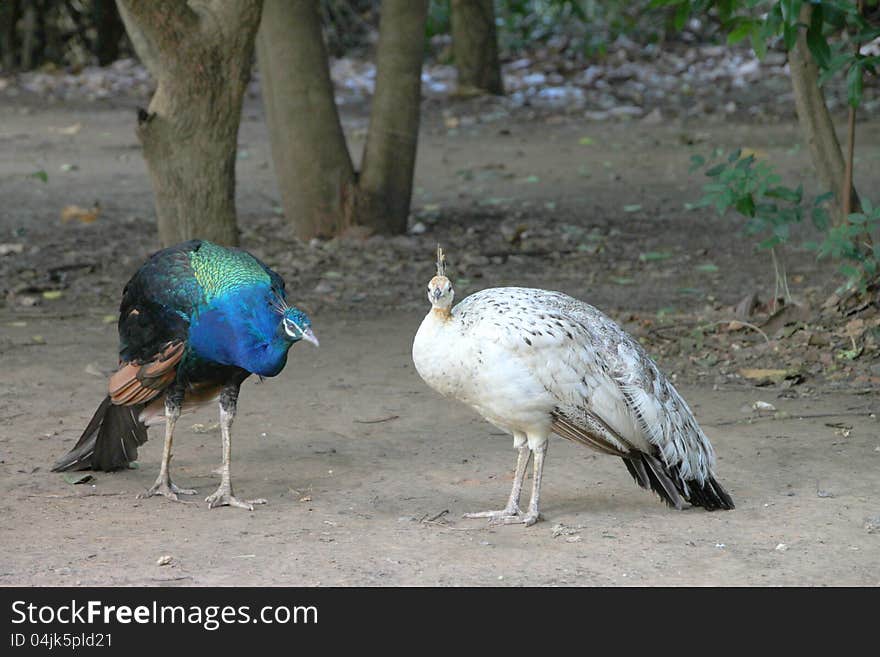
[[815, 120], [28, 37], [385, 186], [143, 47], [9, 12], [321, 193], [109, 30], [475, 47], [190, 133], [315, 174]]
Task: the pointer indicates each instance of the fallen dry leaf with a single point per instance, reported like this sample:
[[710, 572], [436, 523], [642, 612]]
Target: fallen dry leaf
[[68, 130], [6, 249], [84, 215], [759, 375]]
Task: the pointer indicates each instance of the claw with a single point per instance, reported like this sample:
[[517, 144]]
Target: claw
[[166, 488], [223, 497], [527, 519]]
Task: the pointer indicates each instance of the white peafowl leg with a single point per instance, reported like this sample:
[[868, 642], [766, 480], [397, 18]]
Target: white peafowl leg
[[223, 496], [512, 509], [532, 515], [164, 485]]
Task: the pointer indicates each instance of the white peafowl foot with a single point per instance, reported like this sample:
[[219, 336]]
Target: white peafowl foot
[[527, 519], [223, 497], [164, 486], [496, 516]]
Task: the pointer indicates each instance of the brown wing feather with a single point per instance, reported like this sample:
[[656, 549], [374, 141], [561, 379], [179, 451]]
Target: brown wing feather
[[138, 382], [591, 437]]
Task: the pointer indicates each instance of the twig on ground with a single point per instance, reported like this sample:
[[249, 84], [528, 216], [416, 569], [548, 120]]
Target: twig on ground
[[378, 420], [812, 416]]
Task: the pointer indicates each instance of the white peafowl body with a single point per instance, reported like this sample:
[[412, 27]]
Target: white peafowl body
[[534, 362]]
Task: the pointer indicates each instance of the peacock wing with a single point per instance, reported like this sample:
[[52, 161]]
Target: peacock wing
[[137, 382], [609, 390]]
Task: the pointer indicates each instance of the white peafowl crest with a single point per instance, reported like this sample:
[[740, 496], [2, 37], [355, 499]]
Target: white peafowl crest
[[534, 362]]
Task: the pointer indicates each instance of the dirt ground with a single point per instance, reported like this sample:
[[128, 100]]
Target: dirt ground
[[367, 472]]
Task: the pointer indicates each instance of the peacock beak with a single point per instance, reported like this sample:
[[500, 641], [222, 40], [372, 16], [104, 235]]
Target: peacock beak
[[310, 336]]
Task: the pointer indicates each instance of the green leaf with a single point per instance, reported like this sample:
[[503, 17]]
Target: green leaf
[[822, 198], [785, 194], [790, 10], [769, 243], [707, 268], [789, 36], [681, 16], [74, 478], [632, 208], [716, 170], [654, 255], [740, 32], [746, 205], [40, 175], [696, 162], [816, 41], [854, 85], [759, 43], [820, 218]]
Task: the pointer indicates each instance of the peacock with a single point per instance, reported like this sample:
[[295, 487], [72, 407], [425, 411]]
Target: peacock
[[534, 362], [195, 321]]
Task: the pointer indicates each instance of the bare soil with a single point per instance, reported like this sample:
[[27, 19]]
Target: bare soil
[[367, 471]]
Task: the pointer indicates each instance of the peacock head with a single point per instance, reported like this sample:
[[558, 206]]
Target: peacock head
[[298, 326], [440, 292]]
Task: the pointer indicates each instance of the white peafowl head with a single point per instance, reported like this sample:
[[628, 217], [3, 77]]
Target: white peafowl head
[[440, 292]]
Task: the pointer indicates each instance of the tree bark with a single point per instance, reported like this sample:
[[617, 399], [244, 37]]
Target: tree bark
[[320, 190], [315, 173], [28, 37], [475, 47], [815, 120], [385, 186], [109, 30], [202, 59], [143, 47], [9, 12]]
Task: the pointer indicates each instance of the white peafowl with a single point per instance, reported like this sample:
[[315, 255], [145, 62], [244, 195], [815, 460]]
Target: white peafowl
[[534, 362]]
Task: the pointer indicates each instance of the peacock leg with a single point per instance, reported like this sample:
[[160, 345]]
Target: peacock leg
[[223, 496], [512, 509], [532, 515], [164, 485]]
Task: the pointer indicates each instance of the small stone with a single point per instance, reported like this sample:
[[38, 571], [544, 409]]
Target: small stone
[[164, 560]]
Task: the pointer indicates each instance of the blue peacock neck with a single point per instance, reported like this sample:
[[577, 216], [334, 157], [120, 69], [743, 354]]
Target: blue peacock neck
[[241, 329]]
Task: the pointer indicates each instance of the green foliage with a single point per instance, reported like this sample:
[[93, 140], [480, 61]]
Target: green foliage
[[576, 27], [764, 22], [752, 188], [850, 243], [439, 19]]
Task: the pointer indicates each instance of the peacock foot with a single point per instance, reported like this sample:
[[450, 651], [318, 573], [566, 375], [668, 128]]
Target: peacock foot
[[164, 486], [223, 497]]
